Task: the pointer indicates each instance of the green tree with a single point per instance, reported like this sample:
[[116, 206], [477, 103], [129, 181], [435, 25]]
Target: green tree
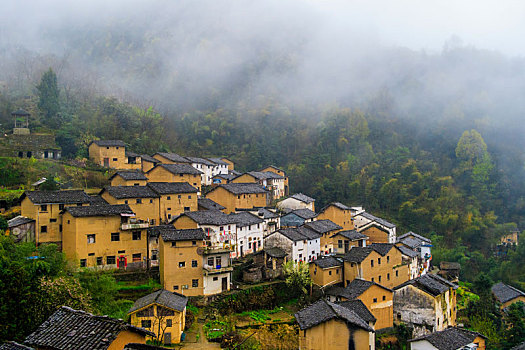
[[297, 277], [48, 98], [471, 147]]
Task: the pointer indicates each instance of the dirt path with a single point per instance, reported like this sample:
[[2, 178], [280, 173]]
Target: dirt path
[[195, 338]]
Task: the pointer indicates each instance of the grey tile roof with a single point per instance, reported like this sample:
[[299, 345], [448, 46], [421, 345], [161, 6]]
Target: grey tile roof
[[245, 219], [292, 234], [129, 175], [217, 160], [179, 169], [228, 177], [121, 192], [411, 242], [208, 204], [376, 219], [408, 234], [21, 112], [275, 252], [100, 210], [57, 197], [172, 187], [98, 200], [308, 233], [354, 289], [11, 345], [262, 175], [407, 251], [382, 248], [323, 310], [19, 220], [208, 217], [72, 329], [326, 262], [132, 154], [304, 213], [162, 297], [109, 143], [452, 338], [273, 166], [173, 157], [170, 233], [352, 235], [337, 205], [323, 226], [430, 283], [243, 188], [303, 198], [504, 292], [357, 254], [150, 159], [359, 308], [266, 214], [200, 161]]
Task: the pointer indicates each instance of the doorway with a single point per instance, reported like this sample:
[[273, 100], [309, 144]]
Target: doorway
[[224, 284]]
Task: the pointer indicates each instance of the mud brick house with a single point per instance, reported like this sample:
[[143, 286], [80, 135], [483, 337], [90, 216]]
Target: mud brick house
[[326, 325], [208, 204], [427, 304], [453, 338], [112, 154], [175, 173], [67, 328], [128, 178], [338, 213], [326, 228], [342, 241], [163, 313], [326, 271], [234, 196], [280, 172], [507, 295]]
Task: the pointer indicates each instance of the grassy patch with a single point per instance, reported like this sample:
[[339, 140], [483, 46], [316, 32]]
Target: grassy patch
[[215, 329]]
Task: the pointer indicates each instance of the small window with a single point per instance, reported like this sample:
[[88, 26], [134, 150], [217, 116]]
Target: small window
[[110, 260], [372, 263], [215, 278], [121, 252], [60, 228], [99, 260], [397, 273], [168, 322], [90, 239], [136, 235], [125, 201], [139, 200], [387, 259], [43, 207], [169, 198], [61, 206], [145, 323], [379, 261], [151, 201], [330, 273], [210, 261], [194, 263], [43, 229], [182, 263], [189, 197], [379, 279], [82, 262], [169, 209], [193, 242], [375, 300], [173, 244], [372, 279], [337, 271], [384, 297], [115, 159], [175, 287], [137, 257], [194, 283], [91, 254], [115, 237], [388, 277], [187, 209]]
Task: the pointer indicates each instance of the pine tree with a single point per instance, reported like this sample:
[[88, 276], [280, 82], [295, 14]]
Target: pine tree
[[48, 102]]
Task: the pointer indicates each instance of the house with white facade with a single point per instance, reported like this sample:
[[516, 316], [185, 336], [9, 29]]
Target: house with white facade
[[249, 234], [364, 220], [220, 168], [297, 201], [300, 244], [205, 166]]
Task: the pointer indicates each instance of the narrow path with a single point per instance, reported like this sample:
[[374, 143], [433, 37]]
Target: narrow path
[[195, 338]]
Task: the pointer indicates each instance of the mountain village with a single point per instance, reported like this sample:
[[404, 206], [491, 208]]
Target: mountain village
[[194, 220]]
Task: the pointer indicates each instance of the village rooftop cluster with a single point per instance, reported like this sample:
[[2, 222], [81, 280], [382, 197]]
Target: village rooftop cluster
[[193, 217]]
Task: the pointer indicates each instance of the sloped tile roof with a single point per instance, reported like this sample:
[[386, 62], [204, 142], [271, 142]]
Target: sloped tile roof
[[292, 234], [308, 233], [73, 329], [410, 233], [323, 226], [452, 338], [262, 175], [208, 204], [57, 197], [359, 308], [162, 297], [179, 169], [150, 159], [265, 213], [172, 187], [303, 198], [100, 210], [411, 242], [173, 157], [121, 192], [337, 205], [304, 213], [129, 175], [171, 234], [109, 143], [382, 248], [357, 254], [243, 188], [217, 160], [352, 235], [407, 251], [326, 262], [503, 292], [245, 219], [208, 217], [430, 283], [376, 219], [323, 310], [98, 200], [275, 252], [200, 161], [19, 220]]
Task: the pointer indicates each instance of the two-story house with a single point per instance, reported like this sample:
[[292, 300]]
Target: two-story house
[[174, 198], [338, 213], [299, 245], [128, 178], [326, 271], [205, 166], [234, 196], [112, 154], [271, 181], [426, 303], [104, 236], [142, 200], [378, 230], [175, 173], [45, 206], [297, 201], [380, 262], [249, 234], [298, 217], [341, 242], [281, 172], [326, 228]]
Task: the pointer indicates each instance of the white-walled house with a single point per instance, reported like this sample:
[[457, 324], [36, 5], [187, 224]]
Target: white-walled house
[[249, 234], [220, 168], [297, 201], [205, 166], [300, 244], [364, 220], [271, 220]]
